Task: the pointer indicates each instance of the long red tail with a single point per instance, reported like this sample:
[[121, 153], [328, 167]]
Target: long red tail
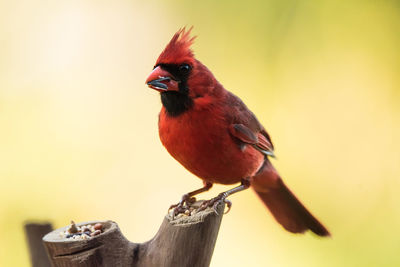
[[283, 204]]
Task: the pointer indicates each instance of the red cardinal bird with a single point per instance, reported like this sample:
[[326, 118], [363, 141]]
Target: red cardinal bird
[[212, 133]]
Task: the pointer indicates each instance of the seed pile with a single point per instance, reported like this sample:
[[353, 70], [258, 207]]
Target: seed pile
[[184, 211], [82, 232]]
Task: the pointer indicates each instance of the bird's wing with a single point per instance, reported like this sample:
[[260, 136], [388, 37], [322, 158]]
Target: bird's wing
[[246, 135], [245, 127]]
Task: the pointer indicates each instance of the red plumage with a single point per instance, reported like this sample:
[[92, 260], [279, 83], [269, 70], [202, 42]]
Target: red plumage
[[215, 136], [178, 49]]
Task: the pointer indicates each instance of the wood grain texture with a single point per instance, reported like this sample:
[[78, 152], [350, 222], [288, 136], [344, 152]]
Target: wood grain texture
[[34, 233], [185, 241]]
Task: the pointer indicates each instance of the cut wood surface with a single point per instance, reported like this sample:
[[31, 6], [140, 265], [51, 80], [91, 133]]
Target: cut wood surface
[[181, 241]]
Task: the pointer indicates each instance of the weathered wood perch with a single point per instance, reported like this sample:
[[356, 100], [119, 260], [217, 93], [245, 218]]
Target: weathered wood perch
[[34, 233], [185, 241]]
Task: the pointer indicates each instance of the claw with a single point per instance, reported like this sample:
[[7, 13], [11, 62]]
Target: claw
[[214, 203], [172, 207], [182, 206], [228, 204]]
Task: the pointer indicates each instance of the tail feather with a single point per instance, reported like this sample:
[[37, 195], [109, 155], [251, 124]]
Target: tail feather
[[283, 204], [289, 211]]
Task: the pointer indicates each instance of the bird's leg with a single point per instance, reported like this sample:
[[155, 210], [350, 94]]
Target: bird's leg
[[222, 196], [189, 198]]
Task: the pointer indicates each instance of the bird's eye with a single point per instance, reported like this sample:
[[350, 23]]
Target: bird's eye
[[184, 68]]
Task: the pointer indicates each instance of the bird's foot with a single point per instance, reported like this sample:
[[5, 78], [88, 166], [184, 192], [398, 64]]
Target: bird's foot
[[183, 205], [214, 202]]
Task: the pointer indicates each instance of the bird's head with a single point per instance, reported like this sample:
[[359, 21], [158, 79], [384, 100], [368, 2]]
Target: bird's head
[[178, 76]]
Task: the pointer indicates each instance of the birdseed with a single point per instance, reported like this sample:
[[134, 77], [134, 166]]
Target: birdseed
[[83, 232]]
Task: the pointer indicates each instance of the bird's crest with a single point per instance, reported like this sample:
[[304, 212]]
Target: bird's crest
[[178, 49]]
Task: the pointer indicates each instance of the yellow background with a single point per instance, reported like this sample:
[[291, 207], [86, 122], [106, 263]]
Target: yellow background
[[78, 126]]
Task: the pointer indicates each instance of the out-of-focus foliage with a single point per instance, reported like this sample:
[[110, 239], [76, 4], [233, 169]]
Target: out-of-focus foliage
[[78, 127]]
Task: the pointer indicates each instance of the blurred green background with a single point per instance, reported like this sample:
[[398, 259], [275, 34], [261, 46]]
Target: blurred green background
[[78, 127]]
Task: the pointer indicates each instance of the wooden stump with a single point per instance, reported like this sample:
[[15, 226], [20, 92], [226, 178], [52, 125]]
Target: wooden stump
[[180, 242], [34, 233]]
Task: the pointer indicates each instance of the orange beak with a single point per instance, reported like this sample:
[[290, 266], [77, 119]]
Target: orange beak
[[161, 80]]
